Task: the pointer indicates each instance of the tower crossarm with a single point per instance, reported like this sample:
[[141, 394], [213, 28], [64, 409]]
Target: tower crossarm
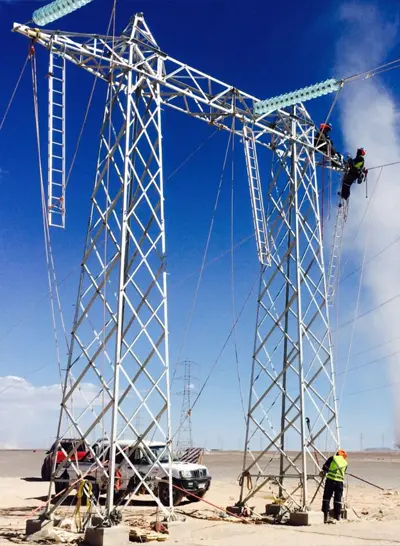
[[183, 88]]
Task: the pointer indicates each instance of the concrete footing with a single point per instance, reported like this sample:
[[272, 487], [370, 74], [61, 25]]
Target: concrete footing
[[273, 509], [306, 518], [33, 526], [237, 510], [107, 536]]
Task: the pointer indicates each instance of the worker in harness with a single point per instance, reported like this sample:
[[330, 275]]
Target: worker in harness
[[334, 469], [355, 170], [324, 144]]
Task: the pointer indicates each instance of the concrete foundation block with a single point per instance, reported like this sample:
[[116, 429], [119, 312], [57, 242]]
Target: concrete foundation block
[[237, 510], [273, 509], [96, 521], [35, 525], [107, 536], [306, 518]]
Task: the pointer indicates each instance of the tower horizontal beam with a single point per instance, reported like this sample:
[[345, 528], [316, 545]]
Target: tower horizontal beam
[[183, 88]]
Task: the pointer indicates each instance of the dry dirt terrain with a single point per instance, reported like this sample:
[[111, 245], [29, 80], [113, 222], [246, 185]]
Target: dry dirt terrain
[[374, 515]]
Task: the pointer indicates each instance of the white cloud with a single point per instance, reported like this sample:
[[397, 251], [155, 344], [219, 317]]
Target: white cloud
[[29, 413], [370, 119]]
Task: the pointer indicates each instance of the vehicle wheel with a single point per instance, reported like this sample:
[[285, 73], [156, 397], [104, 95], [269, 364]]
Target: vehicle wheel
[[163, 495], [45, 471], [198, 497]]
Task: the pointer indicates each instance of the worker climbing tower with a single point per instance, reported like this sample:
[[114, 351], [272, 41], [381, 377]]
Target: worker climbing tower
[[119, 357]]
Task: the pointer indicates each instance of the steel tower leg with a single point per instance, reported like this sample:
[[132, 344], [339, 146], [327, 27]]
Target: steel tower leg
[[119, 351], [292, 372]]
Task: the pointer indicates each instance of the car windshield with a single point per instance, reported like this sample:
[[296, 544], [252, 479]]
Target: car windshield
[[157, 450]]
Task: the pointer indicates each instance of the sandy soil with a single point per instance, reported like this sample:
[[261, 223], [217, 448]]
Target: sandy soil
[[374, 515]]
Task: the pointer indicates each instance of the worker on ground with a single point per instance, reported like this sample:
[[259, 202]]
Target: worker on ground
[[334, 469], [355, 171], [324, 144]]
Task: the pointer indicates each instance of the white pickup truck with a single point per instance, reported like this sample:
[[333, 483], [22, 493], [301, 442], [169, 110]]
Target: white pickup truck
[[193, 478]]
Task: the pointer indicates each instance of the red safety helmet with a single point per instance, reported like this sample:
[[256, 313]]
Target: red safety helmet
[[361, 151], [325, 126], [342, 453]]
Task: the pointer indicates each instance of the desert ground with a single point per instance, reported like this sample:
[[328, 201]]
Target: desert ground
[[374, 515]]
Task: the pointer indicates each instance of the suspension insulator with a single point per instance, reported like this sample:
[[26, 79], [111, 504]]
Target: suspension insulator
[[57, 9]]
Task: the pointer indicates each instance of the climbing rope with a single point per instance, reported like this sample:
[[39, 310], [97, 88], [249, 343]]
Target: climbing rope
[[15, 90], [220, 353], [358, 295], [233, 298], [245, 475], [88, 494], [199, 147], [47, 242], [89, 103], [210, 231]]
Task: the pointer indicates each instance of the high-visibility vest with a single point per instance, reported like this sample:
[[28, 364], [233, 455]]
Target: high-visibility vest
[[337, 468]]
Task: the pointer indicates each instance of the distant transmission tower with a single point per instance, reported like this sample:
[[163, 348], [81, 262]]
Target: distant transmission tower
[[185, 438]]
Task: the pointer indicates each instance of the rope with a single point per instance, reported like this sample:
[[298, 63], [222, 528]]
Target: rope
[[373, 72], [249, 482], [192, 154], [359, 290], [395, 353], [375, 308], [204, 257], [15, 90], [354, 320], [385, 165], [233, 278], [370, 349], [368, 204], [370, 259], [44, 213], [79, 495], [216, 259], [89, 103], [15, 381], [220, 353]]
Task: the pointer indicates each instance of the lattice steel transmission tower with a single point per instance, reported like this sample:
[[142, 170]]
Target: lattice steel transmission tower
[[184, 436], [292, 378], [119, 355]]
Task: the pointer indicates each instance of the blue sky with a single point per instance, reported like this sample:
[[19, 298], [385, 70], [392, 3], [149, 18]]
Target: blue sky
[[260, 48]]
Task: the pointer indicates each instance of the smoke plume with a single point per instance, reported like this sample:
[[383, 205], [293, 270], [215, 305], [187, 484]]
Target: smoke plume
[[369, 119]]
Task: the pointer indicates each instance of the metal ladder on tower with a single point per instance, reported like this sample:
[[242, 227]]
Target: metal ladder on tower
[[336, 252], [257, 203], [56, 142]]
